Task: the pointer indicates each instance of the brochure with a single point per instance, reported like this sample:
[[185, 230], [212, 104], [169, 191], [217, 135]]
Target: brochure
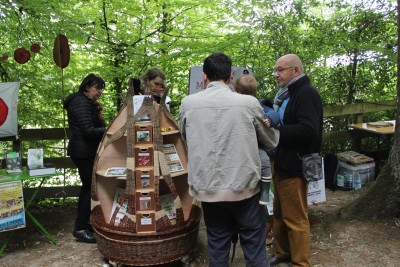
[[115, 172], [13, 162]]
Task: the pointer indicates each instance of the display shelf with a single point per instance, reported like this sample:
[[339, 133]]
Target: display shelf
[[127, 215], [180, 147], [170, 132], [112, 133], [177, 174], [101, 172], [106, 189], [117, 123]]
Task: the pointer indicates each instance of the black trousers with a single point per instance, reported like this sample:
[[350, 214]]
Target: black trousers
[[249, 217], [85, 168]]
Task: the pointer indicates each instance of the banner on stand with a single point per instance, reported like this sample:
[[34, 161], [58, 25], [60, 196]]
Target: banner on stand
[[8, 109], [196, 82], [12, 209]]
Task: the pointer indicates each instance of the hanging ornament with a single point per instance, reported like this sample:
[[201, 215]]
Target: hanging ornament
[[61, 51], [21, 55], [35, 48]]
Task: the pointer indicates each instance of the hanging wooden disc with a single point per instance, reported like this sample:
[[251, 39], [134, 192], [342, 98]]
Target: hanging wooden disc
[[21, 55], [35, 48], [61, 51]]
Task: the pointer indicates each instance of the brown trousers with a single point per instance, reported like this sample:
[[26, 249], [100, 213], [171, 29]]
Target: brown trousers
[[291, 226]]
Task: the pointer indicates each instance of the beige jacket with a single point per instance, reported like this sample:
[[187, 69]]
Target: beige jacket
[[222, 130]]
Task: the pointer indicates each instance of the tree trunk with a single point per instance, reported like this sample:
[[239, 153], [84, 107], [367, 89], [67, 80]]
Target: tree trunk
[[382, 198]]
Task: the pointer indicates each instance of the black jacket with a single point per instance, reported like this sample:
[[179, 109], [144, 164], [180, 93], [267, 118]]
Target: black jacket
[[87, 128], [301, 131]]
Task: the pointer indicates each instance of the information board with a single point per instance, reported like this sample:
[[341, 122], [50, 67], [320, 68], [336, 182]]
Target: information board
[[12, 210]]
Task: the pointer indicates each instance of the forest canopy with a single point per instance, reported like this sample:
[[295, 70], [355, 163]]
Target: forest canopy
[[348, 48]]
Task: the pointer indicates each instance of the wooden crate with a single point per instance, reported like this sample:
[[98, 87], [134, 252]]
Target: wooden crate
[[354, 158]]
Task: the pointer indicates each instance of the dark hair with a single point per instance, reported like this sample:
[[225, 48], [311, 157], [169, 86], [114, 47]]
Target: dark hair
[[92, 80], [218, 66]]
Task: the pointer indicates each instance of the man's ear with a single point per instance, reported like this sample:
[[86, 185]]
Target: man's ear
[[229, 80], [205, 79], [297, 71]]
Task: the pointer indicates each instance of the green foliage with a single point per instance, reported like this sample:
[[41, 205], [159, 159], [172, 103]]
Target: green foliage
[[348, 48]]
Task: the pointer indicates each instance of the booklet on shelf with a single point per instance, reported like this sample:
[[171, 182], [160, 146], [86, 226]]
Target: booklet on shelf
[[115, 172], [168, 205], [122, 210], [13, 162], [172, 158]]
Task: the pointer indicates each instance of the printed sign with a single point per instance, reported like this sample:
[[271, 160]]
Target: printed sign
[[12, 210], [196, 82], [8, 108]]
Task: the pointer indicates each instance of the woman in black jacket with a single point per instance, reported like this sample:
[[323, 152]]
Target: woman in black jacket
[[87, 126]]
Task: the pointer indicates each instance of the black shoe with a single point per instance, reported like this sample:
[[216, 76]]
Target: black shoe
[[84, 236], [275, 260]]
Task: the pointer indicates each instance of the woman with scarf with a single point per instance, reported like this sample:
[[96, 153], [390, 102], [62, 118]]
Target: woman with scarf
[[87, 126]]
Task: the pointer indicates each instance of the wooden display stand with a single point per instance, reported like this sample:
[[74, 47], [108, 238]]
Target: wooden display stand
[[134, 227]]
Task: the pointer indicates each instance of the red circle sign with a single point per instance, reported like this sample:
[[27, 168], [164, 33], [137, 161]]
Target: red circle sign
[[3, 111]]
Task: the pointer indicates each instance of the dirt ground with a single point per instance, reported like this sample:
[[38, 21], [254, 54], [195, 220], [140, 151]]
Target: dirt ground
[[334, 242]]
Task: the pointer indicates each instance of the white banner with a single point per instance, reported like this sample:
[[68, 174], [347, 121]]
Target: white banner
[[196, 82], [8, 109]]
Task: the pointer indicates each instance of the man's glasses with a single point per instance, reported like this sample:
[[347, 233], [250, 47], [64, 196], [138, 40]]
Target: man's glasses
[[280, 70]]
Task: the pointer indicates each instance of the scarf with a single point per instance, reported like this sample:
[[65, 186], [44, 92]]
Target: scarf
[[97, 105], [283, 92]]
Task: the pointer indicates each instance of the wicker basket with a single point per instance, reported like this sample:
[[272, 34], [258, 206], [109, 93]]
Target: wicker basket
[[148, 237], [149, 249]]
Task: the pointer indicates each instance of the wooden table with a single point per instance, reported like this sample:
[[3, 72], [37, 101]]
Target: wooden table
[[373, 127], [379, 128], [22, 177]]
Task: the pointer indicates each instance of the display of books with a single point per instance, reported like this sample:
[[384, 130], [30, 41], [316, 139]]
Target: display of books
[[167, 204], [47, 168], [172, 158], [13, 162], [122, 210], [115, 172]]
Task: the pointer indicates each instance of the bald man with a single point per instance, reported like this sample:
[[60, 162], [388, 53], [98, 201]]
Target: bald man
[[300, 108]]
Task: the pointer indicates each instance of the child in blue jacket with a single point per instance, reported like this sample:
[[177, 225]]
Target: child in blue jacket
[[247, 85]]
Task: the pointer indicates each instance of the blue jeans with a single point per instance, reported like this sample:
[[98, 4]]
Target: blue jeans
[[250, 220], [265, 163]]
